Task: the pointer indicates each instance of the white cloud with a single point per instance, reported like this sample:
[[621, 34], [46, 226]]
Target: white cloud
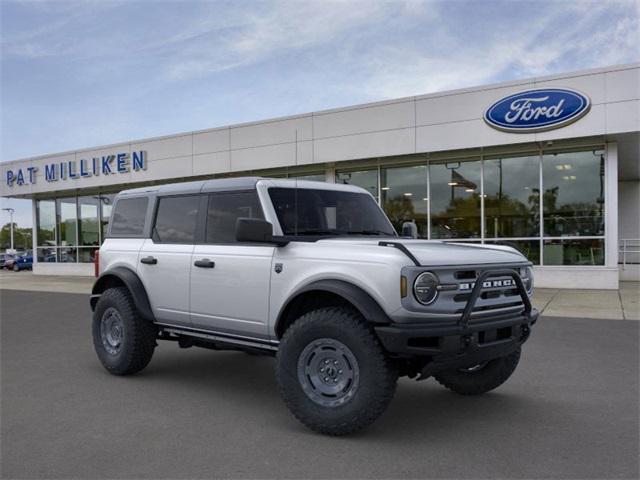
[[285, 27], [526, 48]]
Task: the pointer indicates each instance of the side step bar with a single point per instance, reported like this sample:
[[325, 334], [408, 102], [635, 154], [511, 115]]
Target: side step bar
[[222, 338]]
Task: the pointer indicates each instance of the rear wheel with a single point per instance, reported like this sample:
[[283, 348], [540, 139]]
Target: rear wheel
[[480, 378], [332, 372], [124, 342]]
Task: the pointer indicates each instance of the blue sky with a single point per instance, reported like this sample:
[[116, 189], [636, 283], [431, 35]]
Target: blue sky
[[80, 74]]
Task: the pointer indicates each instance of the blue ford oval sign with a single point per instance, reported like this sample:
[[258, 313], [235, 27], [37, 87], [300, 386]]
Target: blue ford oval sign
[[537, 110]]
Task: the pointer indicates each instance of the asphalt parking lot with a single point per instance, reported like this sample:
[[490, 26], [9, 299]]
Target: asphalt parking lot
[[569, 411]]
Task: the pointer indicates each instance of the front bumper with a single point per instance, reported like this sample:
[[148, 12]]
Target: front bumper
[[457, 346], [469, 341]]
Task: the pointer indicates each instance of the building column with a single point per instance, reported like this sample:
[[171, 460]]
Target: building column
[[34, 232], [611, 205], [330, 174]]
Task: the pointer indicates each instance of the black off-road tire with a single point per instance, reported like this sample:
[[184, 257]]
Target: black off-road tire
[[377, 376], [483, 380], [138, 339]]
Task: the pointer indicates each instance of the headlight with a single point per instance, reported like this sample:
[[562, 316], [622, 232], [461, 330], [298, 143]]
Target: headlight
[[527, 279], [425, 288]]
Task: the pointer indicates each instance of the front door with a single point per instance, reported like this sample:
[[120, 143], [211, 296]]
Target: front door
[[230, 280]]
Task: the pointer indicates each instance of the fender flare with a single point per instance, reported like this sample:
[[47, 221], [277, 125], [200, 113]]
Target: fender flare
[[360, 299], [133, 284]]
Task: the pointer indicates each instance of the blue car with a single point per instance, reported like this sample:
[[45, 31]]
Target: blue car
[[23, 262]]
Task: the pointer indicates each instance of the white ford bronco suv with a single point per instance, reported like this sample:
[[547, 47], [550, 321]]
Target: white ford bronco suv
[[315, 274]]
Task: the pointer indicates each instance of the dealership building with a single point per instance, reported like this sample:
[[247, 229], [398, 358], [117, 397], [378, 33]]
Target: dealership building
[[550, 165]]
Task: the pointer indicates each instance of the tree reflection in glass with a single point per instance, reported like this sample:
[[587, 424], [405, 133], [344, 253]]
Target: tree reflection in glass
[[573, 199], [512, 197], [404, 197], [455, 200]]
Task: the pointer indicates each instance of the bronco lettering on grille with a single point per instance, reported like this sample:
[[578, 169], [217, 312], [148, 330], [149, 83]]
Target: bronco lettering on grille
[[508, 282]]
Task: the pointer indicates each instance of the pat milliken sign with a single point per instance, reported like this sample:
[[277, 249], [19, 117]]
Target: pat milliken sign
[[537, 110], [117, 163]]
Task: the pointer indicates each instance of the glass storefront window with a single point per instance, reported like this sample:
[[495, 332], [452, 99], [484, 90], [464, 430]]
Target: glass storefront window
[[570, 230], [529, 248], [47, 254], [512, 197], [46, 222], [455, 199], [573, 198], [574, 252], [405, 197], [367, 179], [67, 221], [88, 223], [67, 254], [86, 255]]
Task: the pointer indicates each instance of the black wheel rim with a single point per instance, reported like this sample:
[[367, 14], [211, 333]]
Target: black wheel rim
[[111, 331], [328, 372]]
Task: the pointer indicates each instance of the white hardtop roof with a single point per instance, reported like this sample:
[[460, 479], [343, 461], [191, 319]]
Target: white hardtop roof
[[238, 183]]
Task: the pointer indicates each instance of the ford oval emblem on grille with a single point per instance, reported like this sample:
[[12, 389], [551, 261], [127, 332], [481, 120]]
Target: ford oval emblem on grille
[[537, 110]]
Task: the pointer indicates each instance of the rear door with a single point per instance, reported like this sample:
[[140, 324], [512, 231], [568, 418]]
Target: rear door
[[164, 262], [230, 280]]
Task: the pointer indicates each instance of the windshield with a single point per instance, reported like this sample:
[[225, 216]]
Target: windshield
[[305, 211]]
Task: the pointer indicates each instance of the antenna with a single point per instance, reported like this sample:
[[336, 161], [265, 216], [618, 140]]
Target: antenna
[[295, 194]]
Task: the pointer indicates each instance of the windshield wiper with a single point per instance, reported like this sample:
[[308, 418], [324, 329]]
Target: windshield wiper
[[313, 231], [369, 232]]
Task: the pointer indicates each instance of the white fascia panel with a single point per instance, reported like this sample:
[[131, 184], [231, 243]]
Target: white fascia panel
[[211, 141], [378, 144], [461, 107], [591, 85], [171, 147], [392, 116], [212, 163], [259, 158], [623, 117], [623, 85], [271, 133]]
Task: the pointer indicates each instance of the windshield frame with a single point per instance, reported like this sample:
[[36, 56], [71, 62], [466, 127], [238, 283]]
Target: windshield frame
[[384, 230]]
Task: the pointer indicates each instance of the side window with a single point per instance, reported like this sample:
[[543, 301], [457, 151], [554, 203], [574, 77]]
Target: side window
[[128, 217], [225, 209], [176, 219]]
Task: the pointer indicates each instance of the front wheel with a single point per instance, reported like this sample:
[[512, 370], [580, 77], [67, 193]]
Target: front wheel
[[480, 378], [332, 372], [124, 342], [16, 268]]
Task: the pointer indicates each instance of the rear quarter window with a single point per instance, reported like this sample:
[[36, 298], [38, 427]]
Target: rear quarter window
[[128, 217]]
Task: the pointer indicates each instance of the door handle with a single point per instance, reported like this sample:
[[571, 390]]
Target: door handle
[[149, 260], [204, 263]]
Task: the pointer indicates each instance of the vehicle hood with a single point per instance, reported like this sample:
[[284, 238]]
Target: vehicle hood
[[436, 253]]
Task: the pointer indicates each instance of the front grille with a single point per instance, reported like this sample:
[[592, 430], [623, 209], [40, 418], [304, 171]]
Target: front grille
[[495, 292], [499, 294]]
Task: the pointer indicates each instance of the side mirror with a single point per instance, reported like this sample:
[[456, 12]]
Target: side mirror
[[409, 229], [254, 230]]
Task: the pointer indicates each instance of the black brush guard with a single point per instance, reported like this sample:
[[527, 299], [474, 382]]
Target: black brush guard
[[464, 344]]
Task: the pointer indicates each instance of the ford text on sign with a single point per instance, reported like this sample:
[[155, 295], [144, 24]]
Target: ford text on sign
[[537, 110]]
